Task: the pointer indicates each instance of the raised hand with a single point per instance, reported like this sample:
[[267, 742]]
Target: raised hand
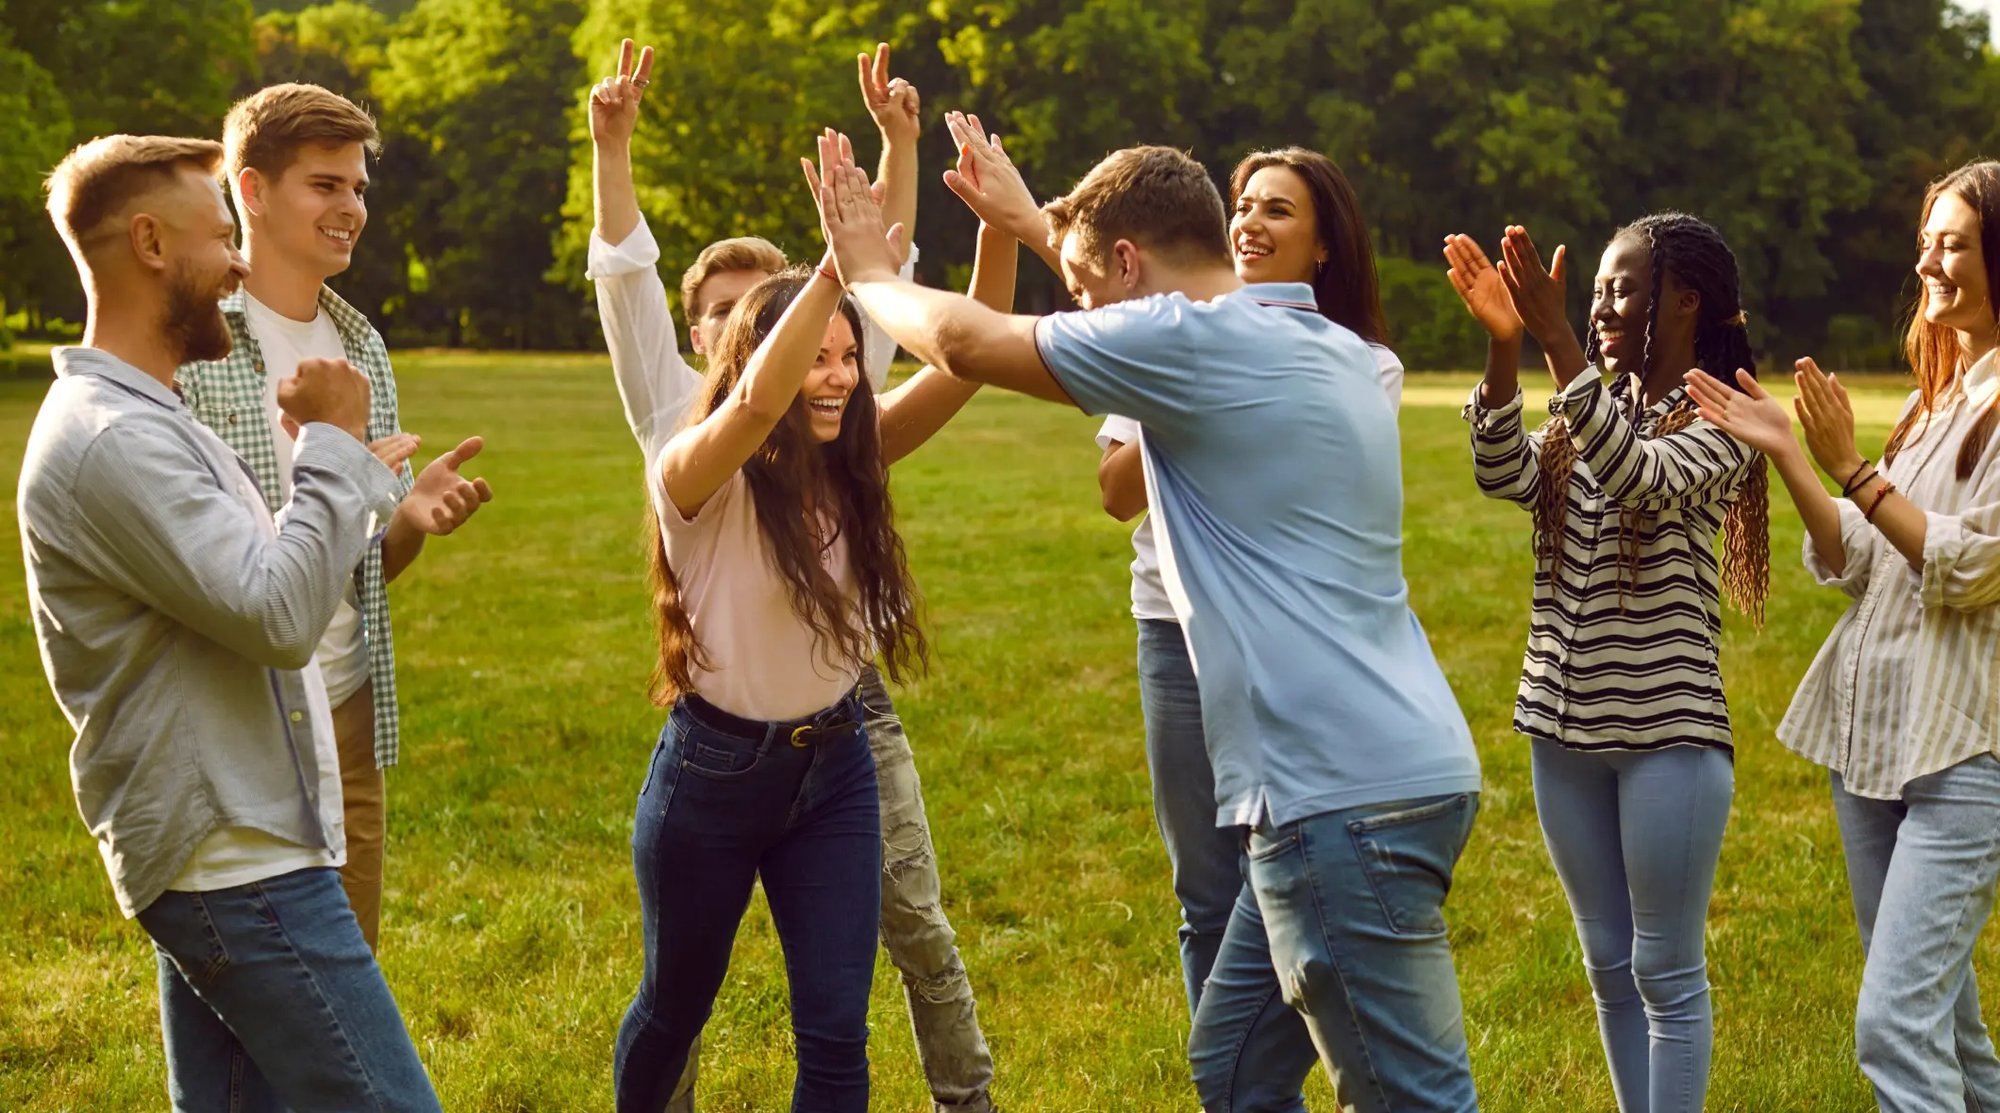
[[1828, 417], [329, 391], [614, 101], [1481, 287], [442, 499], [893, 103], [1537, 290], [1749, 414], [851, 215], [989, 183]]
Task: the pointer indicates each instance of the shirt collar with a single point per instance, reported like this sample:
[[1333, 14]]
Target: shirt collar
[[1290, 295], [96, 361], [346, 319], [1982, 379]]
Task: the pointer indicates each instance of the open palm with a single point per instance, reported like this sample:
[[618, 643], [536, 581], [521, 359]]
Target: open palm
[[1751, 415], [1481, 287]]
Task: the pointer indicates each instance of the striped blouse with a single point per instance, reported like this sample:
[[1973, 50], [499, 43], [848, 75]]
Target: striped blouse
[[1908, 683], [1620, 657]]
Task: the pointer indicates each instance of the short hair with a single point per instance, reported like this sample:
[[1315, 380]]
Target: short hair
[[96, 181], [1158, 197], [741, 253], [266, 129]]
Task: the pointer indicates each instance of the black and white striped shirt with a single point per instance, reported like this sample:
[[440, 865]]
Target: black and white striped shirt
[[1616, 665]]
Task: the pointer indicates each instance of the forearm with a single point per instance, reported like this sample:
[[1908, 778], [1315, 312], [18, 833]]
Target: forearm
[[1121, 479], [400, 546], [1562, 353], [898, 170], [616, 197], [1901, 522], [1816, 508], [961, 337], [1503, 372], [915, 411]]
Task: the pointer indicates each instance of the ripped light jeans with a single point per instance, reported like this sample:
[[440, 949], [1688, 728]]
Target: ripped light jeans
[[919, 939]]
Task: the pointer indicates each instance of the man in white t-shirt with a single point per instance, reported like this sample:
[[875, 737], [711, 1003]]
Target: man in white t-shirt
[[296, 159]]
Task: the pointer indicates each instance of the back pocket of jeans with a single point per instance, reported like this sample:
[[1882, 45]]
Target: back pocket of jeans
[[1408, 856]]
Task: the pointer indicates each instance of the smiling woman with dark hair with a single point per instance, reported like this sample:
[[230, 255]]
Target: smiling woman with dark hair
[[1902, 705], [1621, 688]]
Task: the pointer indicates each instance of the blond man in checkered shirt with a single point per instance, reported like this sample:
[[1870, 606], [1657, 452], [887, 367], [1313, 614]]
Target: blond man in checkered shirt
[[296, 161]]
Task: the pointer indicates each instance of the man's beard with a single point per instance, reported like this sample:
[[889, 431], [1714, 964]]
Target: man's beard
[[194, 325]]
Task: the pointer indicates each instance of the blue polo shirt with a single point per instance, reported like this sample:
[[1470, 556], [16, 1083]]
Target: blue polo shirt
[[1273, 470]]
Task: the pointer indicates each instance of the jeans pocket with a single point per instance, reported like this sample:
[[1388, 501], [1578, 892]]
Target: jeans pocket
[[718, 756], [183, 925], [1261, 849], [653, 766], [1407, 855]]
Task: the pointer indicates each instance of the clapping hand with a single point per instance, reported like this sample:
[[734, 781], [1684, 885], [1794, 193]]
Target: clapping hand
[[1482, 287], [1828, 417], [1537, 291], [442, 499], [1750, 414]]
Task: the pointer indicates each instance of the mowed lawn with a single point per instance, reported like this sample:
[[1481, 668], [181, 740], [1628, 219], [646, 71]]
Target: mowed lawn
[[511, 933]]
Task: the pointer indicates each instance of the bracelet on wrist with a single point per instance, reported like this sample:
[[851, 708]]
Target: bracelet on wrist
[[1849, 487], [1861, 484], [1888, 489]]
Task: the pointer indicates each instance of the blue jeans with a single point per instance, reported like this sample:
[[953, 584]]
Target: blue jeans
[[1206, 860], [1635, 838], [271, 1000], [1343, 917], [1922, 872], [727, 802]]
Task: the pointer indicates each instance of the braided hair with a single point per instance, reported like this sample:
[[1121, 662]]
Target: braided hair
[[1695, 254]]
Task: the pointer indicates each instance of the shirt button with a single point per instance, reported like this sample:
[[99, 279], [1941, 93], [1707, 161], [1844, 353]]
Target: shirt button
[[260, 367], [232, 419], [298, 716]]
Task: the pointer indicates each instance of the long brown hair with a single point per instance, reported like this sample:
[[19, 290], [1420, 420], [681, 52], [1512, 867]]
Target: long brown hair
[[791, 476], [1933, 350], [1346, 288], [1691, 250]]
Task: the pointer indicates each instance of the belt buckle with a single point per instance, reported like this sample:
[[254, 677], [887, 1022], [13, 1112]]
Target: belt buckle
[[799, 740]]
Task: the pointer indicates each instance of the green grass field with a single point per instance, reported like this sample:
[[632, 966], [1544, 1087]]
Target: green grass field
[[510, 927]]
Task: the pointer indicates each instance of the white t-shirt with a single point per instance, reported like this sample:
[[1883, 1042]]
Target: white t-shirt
[[343, 653], [230, 856], [1149, 592]]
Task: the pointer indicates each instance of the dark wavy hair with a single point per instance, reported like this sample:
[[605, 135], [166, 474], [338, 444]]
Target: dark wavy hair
[[845, 479], [1346, 289]]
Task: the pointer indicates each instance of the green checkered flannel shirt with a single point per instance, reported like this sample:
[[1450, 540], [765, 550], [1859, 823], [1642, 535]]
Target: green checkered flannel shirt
[[227, 395]]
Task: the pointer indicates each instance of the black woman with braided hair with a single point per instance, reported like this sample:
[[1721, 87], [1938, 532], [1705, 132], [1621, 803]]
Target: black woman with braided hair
[[1621, 690]]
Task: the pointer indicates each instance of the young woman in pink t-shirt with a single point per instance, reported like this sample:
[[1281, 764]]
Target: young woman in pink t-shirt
[[778, 573]]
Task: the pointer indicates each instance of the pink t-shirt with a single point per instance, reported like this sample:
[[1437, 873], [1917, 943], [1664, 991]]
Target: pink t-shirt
[[765, 661]]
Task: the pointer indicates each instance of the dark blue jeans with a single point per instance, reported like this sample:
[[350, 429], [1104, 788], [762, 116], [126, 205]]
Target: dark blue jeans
[[270, 1000], [727, 802]]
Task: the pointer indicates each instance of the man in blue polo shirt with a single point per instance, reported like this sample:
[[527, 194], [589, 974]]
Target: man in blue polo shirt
[[1273, 467]]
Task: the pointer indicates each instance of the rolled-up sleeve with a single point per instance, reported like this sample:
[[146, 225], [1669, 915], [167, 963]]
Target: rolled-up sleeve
[[1860, 546], [1961, 560]]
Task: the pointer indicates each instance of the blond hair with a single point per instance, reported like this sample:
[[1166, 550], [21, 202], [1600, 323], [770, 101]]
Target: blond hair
[[266, 129], [742, 253], [97, 181], [1157, 197]]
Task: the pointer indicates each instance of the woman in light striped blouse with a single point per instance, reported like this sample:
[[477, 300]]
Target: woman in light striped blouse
[[1903, 702], [1621, 694]]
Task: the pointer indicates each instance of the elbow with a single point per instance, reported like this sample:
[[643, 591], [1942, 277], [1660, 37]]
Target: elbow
[[1120, 507]]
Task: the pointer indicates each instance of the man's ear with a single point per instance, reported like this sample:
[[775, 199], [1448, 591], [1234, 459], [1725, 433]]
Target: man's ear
[[1126, 264], [149, 245], [250, 191]]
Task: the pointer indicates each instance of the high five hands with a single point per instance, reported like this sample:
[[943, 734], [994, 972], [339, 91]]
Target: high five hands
[[989, 183], [850, 214], [614, 101]]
